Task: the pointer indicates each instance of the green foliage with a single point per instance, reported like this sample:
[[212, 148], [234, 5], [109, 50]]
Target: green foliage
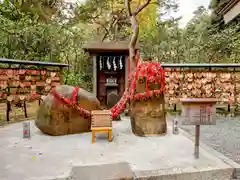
[[109, 18], [41, 30], [199, 42], [24, 36]]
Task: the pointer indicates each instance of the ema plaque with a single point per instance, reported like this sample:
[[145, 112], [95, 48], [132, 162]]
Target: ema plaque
[[198, 111]]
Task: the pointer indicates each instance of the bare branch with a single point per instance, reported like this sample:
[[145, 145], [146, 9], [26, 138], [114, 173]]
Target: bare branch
[[139, 9], [128, 7], [115, 20]]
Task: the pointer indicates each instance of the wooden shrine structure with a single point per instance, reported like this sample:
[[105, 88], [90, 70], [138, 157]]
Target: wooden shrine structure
[[24, 81], [111, 68], [229, 9]]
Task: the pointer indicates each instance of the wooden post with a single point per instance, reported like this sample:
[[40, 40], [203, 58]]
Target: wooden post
[[229, 108], [235, 91], [8, 103], [175, 107], [197, 137], [25, 109], [8, 111]]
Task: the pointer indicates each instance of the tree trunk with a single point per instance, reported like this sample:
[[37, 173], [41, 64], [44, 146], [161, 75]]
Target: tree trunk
[[133, 41]]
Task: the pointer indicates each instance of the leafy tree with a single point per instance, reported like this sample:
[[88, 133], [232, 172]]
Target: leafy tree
[[25, 36]]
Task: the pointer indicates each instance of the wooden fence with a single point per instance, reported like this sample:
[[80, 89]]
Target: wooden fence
[[221, 81], [24, 81]]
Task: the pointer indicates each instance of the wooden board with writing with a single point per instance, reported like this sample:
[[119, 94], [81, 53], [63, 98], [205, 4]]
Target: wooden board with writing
[[198, 112], [101, 118], [19, 84]]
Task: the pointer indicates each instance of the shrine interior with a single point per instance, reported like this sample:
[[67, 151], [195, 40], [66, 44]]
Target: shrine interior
[[110, 76]]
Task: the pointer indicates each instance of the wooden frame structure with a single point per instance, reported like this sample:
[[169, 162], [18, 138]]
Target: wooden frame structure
[[22, 81], [229, 9], [101, 52], [101, 122]]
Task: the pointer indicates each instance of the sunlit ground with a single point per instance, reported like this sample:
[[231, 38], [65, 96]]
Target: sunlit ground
[[17, 114]]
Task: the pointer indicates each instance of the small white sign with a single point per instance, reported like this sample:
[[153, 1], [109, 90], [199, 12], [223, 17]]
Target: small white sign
[[26, 129], [175, 127]]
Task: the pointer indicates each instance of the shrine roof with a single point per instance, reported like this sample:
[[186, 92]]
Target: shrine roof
[[225, 5], [95, 46]]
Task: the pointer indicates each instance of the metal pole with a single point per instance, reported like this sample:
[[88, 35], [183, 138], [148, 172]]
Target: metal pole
[[197, 136]]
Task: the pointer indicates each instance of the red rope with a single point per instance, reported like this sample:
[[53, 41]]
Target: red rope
[[71, 102], [152, 72]]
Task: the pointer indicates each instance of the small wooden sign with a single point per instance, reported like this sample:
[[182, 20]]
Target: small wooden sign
[[26, 129], [101, 122], [101, 118], [198, 111]]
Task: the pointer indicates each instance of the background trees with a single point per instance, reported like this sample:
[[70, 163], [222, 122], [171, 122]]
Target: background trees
[[55, 31]]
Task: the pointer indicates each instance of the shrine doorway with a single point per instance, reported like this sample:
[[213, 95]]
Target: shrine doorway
[[110, 68], [110, 75]]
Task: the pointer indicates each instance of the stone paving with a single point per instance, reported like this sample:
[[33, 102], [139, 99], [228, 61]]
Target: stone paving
[[224, 137], [46, 157]]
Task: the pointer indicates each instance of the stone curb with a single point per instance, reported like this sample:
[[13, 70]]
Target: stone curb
[[225, 159], [211, 150]]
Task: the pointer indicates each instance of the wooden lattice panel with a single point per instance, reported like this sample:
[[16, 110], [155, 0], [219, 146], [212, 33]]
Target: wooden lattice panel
[[202, 83], [237, 88], [173, 85], [21, 84], [101, 118], [224, 87], [198, 84]]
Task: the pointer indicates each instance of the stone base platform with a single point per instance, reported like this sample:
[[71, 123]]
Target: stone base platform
[[168, 157]]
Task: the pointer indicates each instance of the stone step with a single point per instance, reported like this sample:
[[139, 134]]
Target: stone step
[[116, 171]]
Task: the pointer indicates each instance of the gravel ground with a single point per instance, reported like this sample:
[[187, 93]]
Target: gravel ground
[[224, 137]]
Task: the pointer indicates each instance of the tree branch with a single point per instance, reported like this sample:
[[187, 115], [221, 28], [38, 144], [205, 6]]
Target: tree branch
[[139, 9], [128, 7], [115, 20], [135, 28]]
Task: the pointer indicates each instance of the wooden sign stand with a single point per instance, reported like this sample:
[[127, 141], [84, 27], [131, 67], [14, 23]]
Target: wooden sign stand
[[101, 122], [198, 111]]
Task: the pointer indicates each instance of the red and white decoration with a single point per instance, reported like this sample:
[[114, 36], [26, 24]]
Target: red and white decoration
[[111, 63], [151, 71]]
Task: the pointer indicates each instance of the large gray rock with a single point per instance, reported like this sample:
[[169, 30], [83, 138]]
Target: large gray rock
[[113, 99], [56, 118]]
